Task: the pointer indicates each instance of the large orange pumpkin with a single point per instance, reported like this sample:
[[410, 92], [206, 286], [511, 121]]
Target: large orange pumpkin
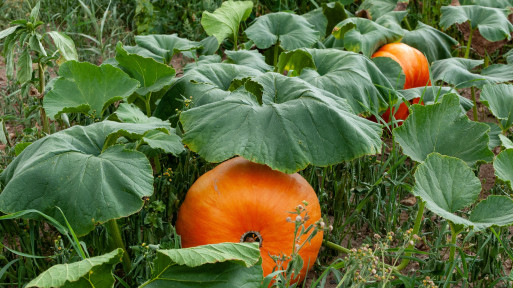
[[241, 201], [415, 67]]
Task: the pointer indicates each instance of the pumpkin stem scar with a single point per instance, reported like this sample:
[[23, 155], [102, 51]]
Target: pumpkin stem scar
[[252, 236]]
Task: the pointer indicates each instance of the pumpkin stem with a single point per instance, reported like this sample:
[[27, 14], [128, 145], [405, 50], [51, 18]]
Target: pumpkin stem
[[251, 237]]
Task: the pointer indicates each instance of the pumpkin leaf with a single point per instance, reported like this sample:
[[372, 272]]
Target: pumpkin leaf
[[338, 71], [378, 8], [457, 71], [64, 44], [488, 3], [508, 144], [392, 70], [318, 20], [445, 129], [496, 210], [225, 20], [129, 113], [86, 88], [364, 35], [116, 177], [499, 98], [295, 60], [434, 94], [288, 30], [204, 84], [152, 75], [249, 58], [203, 59], [432, 42], [162, 47], [447, 185], [90, 272], [492, 23], [494, 134], [509, 56], [232, 264], [210, 45], [165, 139], [502, 165], [169, 142], [239, 125], [392, 21], [334, 13]]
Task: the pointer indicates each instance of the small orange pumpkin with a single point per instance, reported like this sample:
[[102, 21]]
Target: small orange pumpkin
[[241, 201], [415, 67]]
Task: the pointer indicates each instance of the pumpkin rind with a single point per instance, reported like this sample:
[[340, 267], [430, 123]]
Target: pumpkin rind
[[415, 67], [239, 196]]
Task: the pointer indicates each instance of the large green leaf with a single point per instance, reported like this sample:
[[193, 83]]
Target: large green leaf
[[318, 20], [350, 76], [493, 211], [492, 23], [433, 94], [499, 98], [432, 42], [91, 272], [392, 20], [445, 129], [289, 30], [65, 45], [505, 141], [166, 140], [292, 128], [69, 168], [295, 61], [152, 75], [334, 13], [249, 58], [457, 71], [488, 3], [378, 8], [162, 47], [502, 166], [447, 185], [495, 135], [225, 20], [227, 265], [509, 56], [392, 70], [364, 35], [86, 88], [203, 84]]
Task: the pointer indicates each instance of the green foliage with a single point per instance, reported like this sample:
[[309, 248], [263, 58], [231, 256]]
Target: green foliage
[[232, 264], [91, 272], [209, 128], [443, 128]]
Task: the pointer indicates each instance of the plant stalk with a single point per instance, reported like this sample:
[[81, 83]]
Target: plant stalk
[[474, 109], [148, 105], [454, 237], [416, 229], [336, 247], [116, 241], [44, 119], [235, 40], [467, 51], [276, 48]]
